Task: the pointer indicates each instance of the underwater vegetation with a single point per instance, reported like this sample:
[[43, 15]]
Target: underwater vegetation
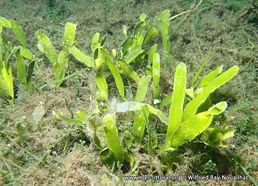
[[183, 118]]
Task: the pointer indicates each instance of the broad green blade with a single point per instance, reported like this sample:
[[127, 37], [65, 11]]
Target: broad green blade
[[142, 89], [125, 31], [138, 27], [63, 60], [138, 127], [100, 78], [68, 38], [127, 70], [218, 108], [58, 72], [128, 139], [156, 68], [119, 82], [176, 108], [152, 52], [79, 55], [209, 77], [108, 158], [29, 76], [71, 121], [3, 86], [215, 136], [167, 100], [103, 40], [21, 69], [5, 22], [7, 85], [191, 128], [1, 43], [156, 94], [95, 42], [129, 57], [113, 138], [143, 17], [46, 45], [151, 32], [128, 44], [26, 53], [164, 17], [158, 113], [18, 32], [139, 40], [95, 38], [193, 105]]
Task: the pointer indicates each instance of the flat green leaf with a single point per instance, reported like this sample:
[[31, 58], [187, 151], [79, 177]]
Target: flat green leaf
[[143, 17], [215, 136], [128, 139], [176, 108], [71, 121], [46, 45], [138, 127], [79, 55], [26, 53], [21, 69], [218, 108], [167, 100], [164, 17], [156, 68], [95, 38], [100, 78], [127, 70], [125, 31], [5, 22], [137, 29], [81, 115], [17, 29], [158, 113], [193, 105], [62, 60], [139, 40], [58, 72], [151, 32], [103, 40], [191, 128], [113, 138], [142, 89], [119, 82], [69, 35], [97, 141], [29, 76], [108, 157], [128, 44], [129, 57], [3, 86], [7, 85], [207, 79], [156, 95], [132, 159]]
